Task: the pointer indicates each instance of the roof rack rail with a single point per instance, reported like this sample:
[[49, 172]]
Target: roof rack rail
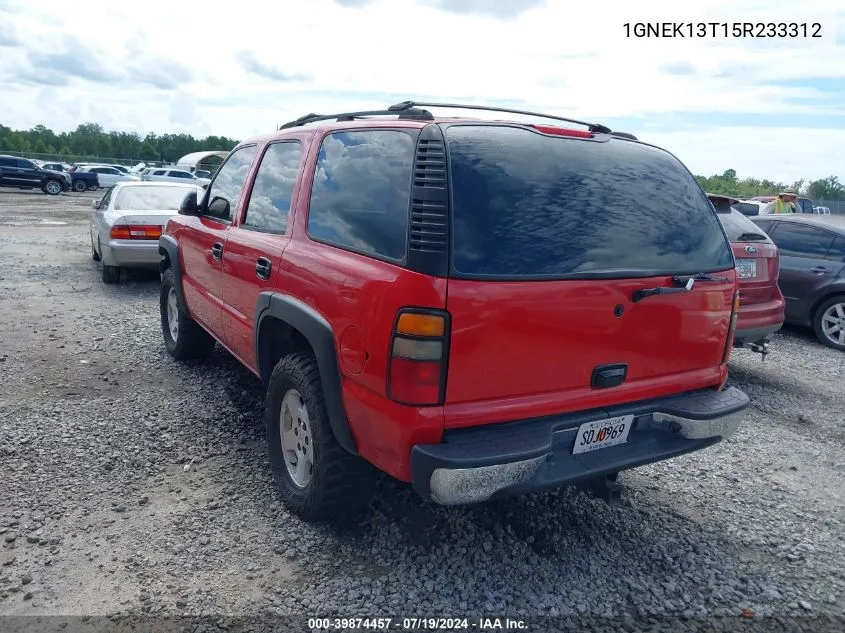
[[407, 105], [406, 113], [625, 135]]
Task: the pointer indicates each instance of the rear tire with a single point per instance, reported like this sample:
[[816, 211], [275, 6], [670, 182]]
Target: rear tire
[[94, 254], [92, 187], [111, 274], [79, 186], [184, 338], [338, 484], [829, 322]]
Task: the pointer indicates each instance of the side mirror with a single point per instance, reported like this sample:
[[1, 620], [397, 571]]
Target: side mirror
[[95, 204], [189, 205]]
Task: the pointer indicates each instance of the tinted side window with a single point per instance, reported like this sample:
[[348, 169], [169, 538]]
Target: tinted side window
[[224, 194], [159, 172], [528, 205], [26, 164], [802, 241], [361, 194], [104, 203], [837, 249], [272, 192], [8, 162], [180, 174], [766, 225]]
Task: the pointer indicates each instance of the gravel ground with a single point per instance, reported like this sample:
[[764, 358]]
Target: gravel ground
[[130, 484]]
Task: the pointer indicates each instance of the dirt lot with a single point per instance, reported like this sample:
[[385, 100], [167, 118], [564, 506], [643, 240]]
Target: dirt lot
[[133, 484]]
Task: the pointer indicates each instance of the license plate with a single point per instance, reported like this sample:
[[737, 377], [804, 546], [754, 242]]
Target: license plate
[[747, 268], [602, 433]]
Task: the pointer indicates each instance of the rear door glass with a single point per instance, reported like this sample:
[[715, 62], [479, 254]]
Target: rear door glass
[[798, 240], [527, 205]]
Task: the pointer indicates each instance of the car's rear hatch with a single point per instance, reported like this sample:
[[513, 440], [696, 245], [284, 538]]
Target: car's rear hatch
[[552, 238], [757, 258]]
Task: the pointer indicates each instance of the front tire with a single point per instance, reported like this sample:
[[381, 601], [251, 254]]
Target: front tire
[[184, 338], [52, 187], [829, 322], [317, 479], [92, 187]]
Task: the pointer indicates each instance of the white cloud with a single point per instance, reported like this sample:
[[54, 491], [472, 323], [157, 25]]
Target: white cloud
[[169, 67]]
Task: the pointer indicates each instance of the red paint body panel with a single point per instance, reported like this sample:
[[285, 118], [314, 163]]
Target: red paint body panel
[[517, 350], [761, 302], [201, 281], [527, 349]]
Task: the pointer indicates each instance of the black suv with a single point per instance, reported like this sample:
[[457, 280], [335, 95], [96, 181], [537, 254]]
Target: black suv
[[24, 174]]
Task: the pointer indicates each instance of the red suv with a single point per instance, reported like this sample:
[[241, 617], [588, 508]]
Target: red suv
[[761, 311], [479, 308]]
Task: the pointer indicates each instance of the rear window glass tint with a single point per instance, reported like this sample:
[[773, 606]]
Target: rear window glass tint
[[799, 240], [361, 195], [527, 205], [837, 249], [738, 228], [746, 208], [150, 198]]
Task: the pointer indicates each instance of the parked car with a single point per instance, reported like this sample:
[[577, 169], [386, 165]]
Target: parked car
[[821, 210], [812, 271], [457, 324], [761, 304], [108, 176], [173, 175], [750, 207], [127, 222], [22, 173], [80, 181]]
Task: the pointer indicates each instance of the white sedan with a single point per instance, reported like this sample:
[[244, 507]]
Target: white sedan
[[174, 175], [127, 222], [108, 175]]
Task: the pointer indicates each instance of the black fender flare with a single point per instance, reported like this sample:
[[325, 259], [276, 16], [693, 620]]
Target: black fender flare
[[319, 334], [167, 245]]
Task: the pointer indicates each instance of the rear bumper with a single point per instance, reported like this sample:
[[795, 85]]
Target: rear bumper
[[758, 321], [132, 254], [477, 464]]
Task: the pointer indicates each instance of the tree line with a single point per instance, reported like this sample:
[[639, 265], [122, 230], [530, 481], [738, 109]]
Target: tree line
[[90, 140], [729, 184]]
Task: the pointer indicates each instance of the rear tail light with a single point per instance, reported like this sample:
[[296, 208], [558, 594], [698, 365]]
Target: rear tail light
[[562, 131], [418, 351], [135, 232], [726, 355]]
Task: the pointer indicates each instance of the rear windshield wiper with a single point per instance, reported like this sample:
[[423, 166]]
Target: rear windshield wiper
[[751, 237], [639, 295], [683, 280], [686, 284]]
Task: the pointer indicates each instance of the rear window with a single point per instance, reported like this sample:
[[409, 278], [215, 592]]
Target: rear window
[[150, 198], [526, 205], [738, 228], [747, 208]]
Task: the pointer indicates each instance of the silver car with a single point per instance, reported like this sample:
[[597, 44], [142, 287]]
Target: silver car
[[127, 222]]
